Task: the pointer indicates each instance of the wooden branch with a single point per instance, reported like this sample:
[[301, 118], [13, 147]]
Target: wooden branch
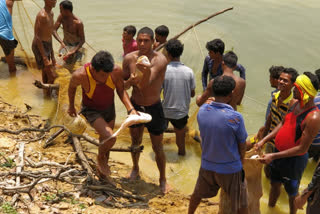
[[93, 141], [18, 170], [52, 137], [44, 163], [39, 180], [122, 194], [35, 130], [193, 25], [82, 157]]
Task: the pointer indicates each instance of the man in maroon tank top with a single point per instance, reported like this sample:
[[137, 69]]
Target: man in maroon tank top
[[98, 80], [293, 137]]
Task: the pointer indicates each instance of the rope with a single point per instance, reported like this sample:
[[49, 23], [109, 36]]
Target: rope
[[257, 101], [36, 3], [24, 30], [195, 33], [27, 14]]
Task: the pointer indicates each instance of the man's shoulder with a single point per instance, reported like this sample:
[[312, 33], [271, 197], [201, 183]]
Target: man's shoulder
[[132, 56], [159, 56], [78, 21]]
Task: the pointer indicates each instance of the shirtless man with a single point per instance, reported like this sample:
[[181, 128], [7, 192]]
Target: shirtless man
[[7, 41], [146, 97], [98, 80], [42, 42], [229, 64], [73, 32]]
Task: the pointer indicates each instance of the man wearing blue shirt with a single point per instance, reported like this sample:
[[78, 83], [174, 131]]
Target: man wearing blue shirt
[[212, 62], [7, 41], [223, 146]]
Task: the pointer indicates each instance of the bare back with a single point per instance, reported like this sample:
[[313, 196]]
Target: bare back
[[150, 94], [238, 91]]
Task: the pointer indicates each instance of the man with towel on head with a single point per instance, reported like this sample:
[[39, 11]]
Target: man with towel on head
[[293, 137]]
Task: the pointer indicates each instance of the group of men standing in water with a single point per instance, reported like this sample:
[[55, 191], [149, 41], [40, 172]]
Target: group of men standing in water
[[292, 123]]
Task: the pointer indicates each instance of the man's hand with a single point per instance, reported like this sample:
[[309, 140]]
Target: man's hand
[[299, 201], [69, 54], [72, 111], [258, 146], [267, 158], [210, 100], [143, 67], [134, 112]]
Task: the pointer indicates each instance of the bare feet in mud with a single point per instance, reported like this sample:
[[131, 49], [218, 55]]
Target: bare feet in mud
[[133, 175], [165, 187], [105, 175]]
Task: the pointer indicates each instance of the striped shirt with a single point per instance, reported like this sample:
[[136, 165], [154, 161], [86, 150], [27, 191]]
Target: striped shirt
[[278, 111]]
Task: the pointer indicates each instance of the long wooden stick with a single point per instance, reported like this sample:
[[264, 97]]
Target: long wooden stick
[[193, 25], [82, 157]]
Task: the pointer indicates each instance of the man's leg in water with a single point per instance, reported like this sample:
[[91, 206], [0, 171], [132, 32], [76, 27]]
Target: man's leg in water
[[293, 209], [180, 140], [274, 193], [136, 139], [10, 61], [51, 75], [160, 160], [104, 130]]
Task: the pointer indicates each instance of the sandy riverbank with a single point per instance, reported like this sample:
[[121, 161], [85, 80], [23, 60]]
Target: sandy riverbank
[[71, 193]]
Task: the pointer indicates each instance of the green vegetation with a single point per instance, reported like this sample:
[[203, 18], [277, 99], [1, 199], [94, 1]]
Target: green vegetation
[[9, 163], [49, 197], [8, 209]]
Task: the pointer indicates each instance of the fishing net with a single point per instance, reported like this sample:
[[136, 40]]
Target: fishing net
[[24, 15], [252, 168]]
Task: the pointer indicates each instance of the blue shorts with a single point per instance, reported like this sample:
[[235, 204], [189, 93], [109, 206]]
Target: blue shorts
[[288, 171]]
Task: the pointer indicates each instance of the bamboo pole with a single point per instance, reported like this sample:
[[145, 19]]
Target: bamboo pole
[[193, 25]]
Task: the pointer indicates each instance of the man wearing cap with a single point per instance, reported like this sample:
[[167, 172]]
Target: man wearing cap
[[293, 136]]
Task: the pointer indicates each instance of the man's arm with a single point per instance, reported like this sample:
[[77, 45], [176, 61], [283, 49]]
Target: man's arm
[[123, 95], [193, 85], [128, 68], [10, 5], [205, 95], [193, 92], [241, 70], [204, 73], [269, 137], [242, 150], [55, 29], [242, 90], [313, 185], [73, 84]]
